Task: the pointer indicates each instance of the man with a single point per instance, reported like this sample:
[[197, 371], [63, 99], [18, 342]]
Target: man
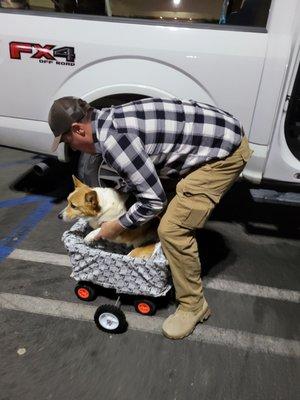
[[153, 140]]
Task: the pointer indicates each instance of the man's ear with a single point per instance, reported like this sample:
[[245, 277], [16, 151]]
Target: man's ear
[[78, 128], [91, 198], [77, 182]]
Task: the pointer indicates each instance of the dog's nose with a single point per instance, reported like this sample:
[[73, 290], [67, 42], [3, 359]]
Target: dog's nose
[[60, 216]]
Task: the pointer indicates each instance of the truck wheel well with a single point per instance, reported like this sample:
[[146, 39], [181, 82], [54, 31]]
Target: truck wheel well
[[116, 99]]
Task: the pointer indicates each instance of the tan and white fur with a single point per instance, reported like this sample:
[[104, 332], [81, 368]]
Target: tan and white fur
[[99, 205]]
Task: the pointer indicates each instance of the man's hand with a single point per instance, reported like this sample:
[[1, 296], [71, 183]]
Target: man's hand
[[110, 230]]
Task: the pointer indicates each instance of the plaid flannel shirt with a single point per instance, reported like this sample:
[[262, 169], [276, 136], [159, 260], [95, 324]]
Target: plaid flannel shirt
[[153, 138]]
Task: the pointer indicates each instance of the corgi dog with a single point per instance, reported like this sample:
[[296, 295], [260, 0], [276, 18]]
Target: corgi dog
[[98, 205]]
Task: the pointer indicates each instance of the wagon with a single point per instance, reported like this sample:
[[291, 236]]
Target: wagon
[[107, 265]]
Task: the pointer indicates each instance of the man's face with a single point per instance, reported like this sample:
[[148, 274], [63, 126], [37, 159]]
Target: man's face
[[80, 138]]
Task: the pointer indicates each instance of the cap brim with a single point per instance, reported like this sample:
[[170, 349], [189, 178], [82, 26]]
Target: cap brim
[[56, 142]]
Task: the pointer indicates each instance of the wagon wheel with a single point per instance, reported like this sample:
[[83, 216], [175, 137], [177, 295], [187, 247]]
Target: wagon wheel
[[86, 291], [145, 307], [110, 319]]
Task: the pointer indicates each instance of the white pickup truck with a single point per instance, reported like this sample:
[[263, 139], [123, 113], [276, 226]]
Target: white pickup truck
[[240, 55]]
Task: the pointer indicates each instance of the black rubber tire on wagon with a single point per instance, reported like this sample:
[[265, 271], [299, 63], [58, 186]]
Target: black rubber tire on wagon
[[86, 291], [110, 319], [145, 306]]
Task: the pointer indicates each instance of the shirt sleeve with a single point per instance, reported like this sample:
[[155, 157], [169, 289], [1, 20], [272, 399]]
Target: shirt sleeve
[[127, 155]]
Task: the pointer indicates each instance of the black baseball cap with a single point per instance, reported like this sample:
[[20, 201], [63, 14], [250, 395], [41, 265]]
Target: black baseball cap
[[63, 113]]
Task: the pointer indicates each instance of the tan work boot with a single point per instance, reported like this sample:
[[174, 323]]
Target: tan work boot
[[183, 322]]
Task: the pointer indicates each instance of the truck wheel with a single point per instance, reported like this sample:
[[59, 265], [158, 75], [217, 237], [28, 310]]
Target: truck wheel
[[91, 171], [111, 319], [88, 169], [145, 307], [85, 291]]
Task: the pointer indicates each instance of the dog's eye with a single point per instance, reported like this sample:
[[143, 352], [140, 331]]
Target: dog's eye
[[73, 205]]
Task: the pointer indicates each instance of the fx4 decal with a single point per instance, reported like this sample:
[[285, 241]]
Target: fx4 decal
[[47, 54]]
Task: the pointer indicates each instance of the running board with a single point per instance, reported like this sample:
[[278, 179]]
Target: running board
[[274, 197]]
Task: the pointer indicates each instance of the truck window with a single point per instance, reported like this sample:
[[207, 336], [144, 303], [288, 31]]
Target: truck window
[[227, 12]]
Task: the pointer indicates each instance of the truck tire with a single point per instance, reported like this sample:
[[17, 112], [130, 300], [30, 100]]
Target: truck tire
[[88, 169]]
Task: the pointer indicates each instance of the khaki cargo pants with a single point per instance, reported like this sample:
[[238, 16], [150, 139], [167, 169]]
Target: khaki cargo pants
[[195, 198]]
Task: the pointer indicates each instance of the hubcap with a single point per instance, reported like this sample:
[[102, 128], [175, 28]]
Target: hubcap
[[83, 293], [109, 321]]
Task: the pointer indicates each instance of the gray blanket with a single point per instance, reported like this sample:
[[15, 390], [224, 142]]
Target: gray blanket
[[107, 265]]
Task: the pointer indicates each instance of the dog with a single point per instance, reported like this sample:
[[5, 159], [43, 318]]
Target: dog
[[98, 205]]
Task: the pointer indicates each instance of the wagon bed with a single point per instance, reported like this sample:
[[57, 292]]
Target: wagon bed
[[108, 265]]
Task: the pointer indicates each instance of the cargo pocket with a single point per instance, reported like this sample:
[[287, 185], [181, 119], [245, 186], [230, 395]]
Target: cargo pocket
[[194, 207], [198, 215]]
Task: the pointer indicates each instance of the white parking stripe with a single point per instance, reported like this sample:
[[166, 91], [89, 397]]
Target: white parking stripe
[[41, 257], [252, 290], [206, 334], [210, 283]]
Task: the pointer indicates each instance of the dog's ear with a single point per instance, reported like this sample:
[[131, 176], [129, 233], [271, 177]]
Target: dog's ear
[[77, 182], [91, 198]]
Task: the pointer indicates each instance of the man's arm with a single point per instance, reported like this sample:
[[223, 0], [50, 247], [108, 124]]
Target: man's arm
[[126, 154]]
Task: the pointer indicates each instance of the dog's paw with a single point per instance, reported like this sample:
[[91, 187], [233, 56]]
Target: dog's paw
[[92, 236]]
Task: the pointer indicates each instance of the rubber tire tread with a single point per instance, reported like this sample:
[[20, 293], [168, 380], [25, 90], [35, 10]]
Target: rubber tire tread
[[123, 325], [92, 290]]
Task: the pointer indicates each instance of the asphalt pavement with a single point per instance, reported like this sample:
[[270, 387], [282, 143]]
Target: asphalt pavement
[[51, 348]]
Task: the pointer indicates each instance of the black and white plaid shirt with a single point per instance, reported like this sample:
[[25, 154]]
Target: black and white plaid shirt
[[153, 138]]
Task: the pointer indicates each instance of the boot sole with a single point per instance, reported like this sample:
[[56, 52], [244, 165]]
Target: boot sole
[[204, 318], [206, 315]]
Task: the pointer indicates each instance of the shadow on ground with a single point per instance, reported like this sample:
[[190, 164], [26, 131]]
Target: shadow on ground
[[213, 251], [56, 183], [277, 220]]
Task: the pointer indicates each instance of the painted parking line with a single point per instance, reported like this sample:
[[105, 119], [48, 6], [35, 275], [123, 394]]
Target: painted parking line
[[209, 283], [247, 341], [252, 290], [41, 257], [43, 205]]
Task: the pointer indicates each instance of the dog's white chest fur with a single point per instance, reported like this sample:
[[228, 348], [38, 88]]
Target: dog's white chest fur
[[112, 206]]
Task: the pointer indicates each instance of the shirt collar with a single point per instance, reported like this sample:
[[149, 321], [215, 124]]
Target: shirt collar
[[100, 122], [94, 122]]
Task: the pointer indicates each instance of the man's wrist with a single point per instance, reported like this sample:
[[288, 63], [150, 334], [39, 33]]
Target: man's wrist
[[122, 225], [126, 223]]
